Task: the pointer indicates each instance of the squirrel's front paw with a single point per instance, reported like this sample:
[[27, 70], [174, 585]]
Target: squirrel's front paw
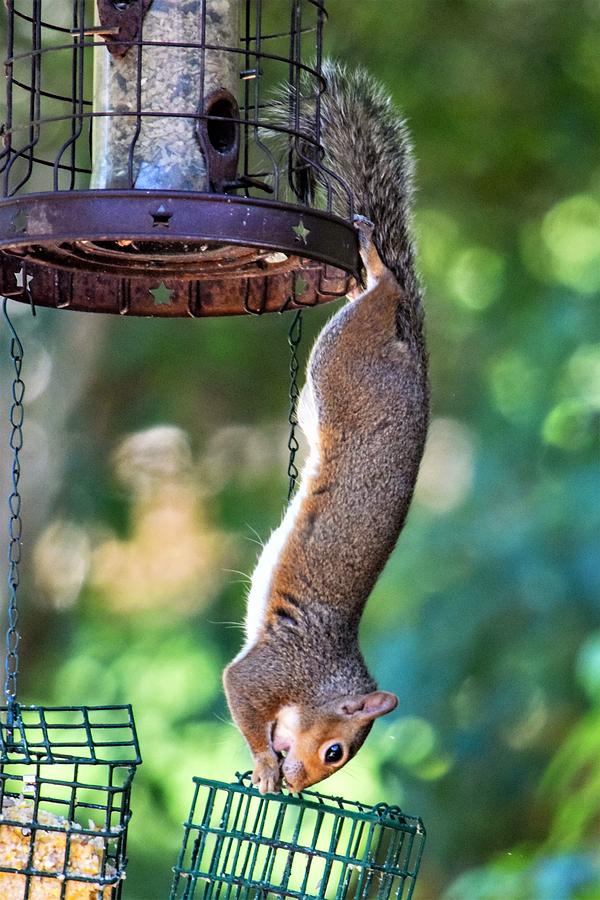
[[267, 774]]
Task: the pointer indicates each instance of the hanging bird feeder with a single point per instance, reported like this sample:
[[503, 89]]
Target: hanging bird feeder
[[238, 843], [65, 772], [65, 784], [144, 171]]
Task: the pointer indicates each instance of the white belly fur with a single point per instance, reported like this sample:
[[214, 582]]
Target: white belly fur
[[262, 576]]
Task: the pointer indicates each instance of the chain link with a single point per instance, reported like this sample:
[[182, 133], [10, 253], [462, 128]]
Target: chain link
[[294, 338], [15, 525]]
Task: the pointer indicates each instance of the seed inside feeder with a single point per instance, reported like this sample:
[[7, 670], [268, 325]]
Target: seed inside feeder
[[85, 856], [153, 94]]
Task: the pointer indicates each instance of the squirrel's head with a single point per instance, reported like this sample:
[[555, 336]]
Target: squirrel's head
[[316, 742]]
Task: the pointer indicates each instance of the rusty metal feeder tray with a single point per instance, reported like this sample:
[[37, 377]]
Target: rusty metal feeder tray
[[154, 253]]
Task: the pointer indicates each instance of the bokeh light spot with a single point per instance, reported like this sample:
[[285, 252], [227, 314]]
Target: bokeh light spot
[[61, 559], [570, 426], [438, 241], [446, 473], [476, 279], [571, 231], [514, 383], [583, 374], [588, 666], [412, 740]]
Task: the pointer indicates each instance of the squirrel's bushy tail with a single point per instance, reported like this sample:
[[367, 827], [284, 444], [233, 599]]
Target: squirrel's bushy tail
[[367, 143]]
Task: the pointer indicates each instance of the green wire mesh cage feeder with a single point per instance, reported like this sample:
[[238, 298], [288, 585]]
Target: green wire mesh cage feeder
[[65, 772], [138, 173], [239, 844], [65, 784]]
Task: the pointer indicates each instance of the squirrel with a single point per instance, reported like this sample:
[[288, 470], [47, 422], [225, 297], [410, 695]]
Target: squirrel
[[299, 690]]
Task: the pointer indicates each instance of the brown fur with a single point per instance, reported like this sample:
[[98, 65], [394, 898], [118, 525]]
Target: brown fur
[[368, 371]]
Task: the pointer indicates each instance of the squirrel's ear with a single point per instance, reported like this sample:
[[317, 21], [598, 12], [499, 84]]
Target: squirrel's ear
[[369, 706]]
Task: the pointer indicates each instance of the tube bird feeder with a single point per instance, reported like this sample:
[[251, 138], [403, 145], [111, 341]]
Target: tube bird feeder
[[144, 170]]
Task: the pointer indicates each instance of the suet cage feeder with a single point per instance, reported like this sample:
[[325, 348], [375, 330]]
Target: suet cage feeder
[[239, 844], [145, 170], [65, 784]]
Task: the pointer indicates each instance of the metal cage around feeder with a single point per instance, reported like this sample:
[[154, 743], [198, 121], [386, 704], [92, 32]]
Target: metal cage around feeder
[[65, 784], [145, 170], [239, 844]]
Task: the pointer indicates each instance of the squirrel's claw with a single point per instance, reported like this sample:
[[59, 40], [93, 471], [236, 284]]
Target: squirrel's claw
[[266, 775], [364, 227]]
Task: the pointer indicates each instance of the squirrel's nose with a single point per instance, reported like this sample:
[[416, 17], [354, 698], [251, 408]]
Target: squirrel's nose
[[295, 775], [294, 787]]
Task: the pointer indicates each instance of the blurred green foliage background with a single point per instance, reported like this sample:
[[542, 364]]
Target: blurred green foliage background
[[155, 455]]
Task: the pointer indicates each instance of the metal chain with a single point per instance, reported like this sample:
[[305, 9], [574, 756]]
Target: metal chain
[[15, 526], [294, 338]]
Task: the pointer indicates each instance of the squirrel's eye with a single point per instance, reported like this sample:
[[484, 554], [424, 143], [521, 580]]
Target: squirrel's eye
[[334, 753]]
